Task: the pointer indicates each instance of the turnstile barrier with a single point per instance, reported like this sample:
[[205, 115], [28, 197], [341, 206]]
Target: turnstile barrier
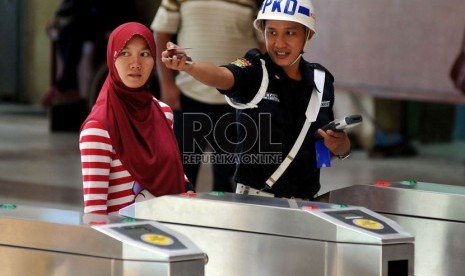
[[51, 242], [251, 235], [433, 213]]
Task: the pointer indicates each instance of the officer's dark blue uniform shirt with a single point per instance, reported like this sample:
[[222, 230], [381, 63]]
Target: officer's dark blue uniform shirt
[[267, 133]]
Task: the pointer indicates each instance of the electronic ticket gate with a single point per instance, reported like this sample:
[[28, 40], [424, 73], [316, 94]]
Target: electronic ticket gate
[[49, 242], [251, 235], [433, 213]]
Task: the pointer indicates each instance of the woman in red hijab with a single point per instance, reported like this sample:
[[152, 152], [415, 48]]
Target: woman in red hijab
[[128, 149]]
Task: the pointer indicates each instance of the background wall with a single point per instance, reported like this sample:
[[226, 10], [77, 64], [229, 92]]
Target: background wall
[[37, 48], [391, 62], [396, 48]]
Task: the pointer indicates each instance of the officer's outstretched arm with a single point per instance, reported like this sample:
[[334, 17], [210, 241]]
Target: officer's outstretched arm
[[209, 74]]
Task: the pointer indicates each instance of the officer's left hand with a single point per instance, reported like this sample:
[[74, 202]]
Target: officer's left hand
[[336, 141]]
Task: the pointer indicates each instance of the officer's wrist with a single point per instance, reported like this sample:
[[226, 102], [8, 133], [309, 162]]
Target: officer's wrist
[[345, 155]]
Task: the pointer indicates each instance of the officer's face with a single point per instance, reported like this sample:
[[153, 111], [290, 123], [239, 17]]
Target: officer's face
[[284, 41]]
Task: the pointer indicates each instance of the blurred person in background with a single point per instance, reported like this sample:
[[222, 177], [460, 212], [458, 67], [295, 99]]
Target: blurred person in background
[[77, 23], [215, 31]]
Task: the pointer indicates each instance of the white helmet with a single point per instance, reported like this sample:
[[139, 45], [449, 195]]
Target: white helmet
[[300, 11]]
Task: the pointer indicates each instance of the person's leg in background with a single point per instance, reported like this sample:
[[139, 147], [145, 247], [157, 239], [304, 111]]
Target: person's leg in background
[[224, 142], [186, 128], [71, 53], [191, 168], [69, 50]]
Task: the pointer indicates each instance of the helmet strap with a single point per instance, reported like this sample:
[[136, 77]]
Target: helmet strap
[[297, 58]]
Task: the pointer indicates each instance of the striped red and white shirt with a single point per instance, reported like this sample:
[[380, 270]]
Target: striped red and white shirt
[[107, 185]]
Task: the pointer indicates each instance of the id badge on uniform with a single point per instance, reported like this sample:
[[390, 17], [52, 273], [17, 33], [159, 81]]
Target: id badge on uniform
[[323, 155]]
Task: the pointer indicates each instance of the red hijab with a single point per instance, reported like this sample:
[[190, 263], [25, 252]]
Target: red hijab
[[139, 131]]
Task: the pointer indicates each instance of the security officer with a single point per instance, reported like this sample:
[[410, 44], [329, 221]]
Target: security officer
[[282, 101]]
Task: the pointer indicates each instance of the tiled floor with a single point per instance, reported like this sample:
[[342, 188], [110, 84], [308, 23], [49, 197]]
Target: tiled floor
[[42, 168]]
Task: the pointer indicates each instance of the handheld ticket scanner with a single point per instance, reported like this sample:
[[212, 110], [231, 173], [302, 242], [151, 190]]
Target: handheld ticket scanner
[[43, 242], [251, 235], [433, 213]]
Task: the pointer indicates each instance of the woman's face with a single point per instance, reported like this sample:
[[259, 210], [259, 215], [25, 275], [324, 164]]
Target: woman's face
[[135, 63], [284, 41]]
